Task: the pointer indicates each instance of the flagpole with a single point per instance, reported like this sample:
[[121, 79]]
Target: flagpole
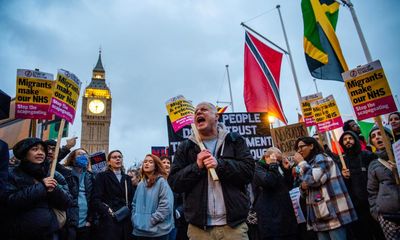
[[296, 83], [266, 39], [230, 89], [368, 56], [359, 31]]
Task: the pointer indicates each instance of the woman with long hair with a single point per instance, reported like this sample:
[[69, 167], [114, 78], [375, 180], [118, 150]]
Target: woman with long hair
[[113, 192], [329, 207], [153, 203], [81, 215]]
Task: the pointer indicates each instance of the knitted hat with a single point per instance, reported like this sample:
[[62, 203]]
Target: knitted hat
[[22, 147], [51, 142], [387, 130]]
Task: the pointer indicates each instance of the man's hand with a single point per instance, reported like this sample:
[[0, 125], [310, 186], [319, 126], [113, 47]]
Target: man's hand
[[71, 142], [346, 173], [50, 183], [201, 156], [210, 162]]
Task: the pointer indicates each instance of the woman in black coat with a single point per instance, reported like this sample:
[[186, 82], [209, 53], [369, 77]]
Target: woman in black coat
[[109, 196], [32, 195], [275, 214]]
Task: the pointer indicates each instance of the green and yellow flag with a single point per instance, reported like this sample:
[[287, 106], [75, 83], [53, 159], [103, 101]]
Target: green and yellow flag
[[321, 46]]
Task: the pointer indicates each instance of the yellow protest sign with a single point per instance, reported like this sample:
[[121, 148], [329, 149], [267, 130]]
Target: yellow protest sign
[[33, 94], [180, 112], [326, 114], [306, 108], [369, 91], [65, 95]]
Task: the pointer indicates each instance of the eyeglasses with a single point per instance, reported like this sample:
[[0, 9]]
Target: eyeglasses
[[299, 148]]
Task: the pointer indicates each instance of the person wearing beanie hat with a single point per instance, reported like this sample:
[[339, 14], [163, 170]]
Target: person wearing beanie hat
[[356, 178], [64, 151], [384, 193], [32, 194]]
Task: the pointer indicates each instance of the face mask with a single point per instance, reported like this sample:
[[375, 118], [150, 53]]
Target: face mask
[[81, 161]]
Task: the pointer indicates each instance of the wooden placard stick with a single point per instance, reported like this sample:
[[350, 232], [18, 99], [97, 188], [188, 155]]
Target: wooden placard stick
[[54, 161], [340, 152], [388, 147], [202, 147]]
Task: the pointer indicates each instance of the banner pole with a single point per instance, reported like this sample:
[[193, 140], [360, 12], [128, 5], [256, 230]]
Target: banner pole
[[339, 152], [202, 147], [54, 160], [296, 83], [388, 147]]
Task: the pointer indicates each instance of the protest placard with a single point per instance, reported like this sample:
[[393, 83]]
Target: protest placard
[[326, 114], [306, 108], [159, 151], [180, 112], [65, 95], [254, 127], [33, 95], [98, 161], [369, 91], [285, 138]]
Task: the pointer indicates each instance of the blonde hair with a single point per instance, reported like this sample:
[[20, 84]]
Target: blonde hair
[[270, 151]]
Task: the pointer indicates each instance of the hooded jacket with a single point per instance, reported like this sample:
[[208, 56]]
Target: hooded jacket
[[235, 169], [152, 209], [357, 161]]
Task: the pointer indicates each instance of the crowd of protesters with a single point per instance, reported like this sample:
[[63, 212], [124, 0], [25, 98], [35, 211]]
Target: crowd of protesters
[[179, 199]]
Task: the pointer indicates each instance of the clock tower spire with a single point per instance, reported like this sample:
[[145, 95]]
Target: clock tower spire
[[96, 112]]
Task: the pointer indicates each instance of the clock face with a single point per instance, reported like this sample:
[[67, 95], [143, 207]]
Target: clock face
[[96, 106]]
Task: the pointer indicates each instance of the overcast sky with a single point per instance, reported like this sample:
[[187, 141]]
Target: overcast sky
[[156, 49]]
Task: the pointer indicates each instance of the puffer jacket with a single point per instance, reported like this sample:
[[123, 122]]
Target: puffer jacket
[[235, 169], [384, 193], [31, 206]]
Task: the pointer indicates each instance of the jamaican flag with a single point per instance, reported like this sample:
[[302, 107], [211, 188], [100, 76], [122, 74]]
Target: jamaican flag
[[321, 46]]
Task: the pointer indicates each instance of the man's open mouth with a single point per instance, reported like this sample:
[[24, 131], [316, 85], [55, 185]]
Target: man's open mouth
[[200, 119]]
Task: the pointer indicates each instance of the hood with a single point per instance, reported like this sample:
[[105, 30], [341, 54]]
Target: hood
[[356, 148], [222, 133]]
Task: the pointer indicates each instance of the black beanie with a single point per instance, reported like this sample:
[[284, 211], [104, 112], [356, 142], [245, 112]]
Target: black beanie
[[22, 147], [51, 142]]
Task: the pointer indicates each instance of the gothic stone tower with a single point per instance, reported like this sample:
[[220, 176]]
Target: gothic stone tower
[[96, 112]]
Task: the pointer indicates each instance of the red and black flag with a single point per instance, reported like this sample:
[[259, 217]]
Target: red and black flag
[[262, 68]]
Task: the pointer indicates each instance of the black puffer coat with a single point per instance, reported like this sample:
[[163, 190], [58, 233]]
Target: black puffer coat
[[31, 206], [275, 214]]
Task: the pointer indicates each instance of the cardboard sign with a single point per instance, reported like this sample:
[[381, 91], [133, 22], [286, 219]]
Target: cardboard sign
[[326, 114], [253, 127], [306, 108], [33, 95], [396, 153], [65, 95], [285, 137], [180, 112], [98, 161], [369, 91]]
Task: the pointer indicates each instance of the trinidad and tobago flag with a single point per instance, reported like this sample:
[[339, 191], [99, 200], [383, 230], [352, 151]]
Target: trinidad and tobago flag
[[262, 67]]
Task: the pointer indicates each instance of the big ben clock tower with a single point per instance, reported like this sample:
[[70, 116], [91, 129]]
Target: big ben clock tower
[[96, 112]]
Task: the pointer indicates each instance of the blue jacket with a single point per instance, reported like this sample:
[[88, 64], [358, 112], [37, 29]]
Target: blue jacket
[[152, 209]]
